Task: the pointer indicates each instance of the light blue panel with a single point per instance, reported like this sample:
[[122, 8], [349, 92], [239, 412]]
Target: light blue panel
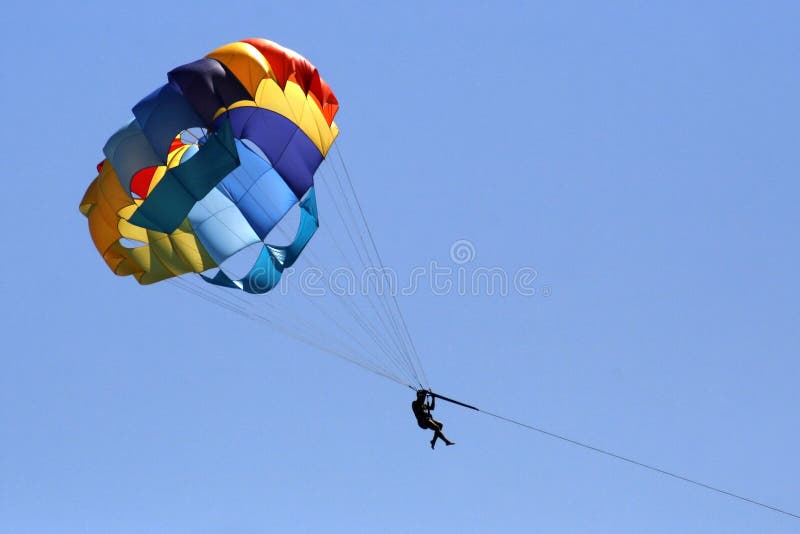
[[266, 271], [258, 190], [220, 226], [189, 152]]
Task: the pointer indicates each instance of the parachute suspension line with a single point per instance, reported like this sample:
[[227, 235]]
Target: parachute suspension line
[[191, 133], [362, 354], [360, 362], [372, 263], [355, 311], [213, 297], [413, 351], [346, 304], [389, 323], [391, 332], [185, 285], [367, 264], [376, 339], [398, 316], [342, 327], [222, 300], [364, 266], [347, 301]]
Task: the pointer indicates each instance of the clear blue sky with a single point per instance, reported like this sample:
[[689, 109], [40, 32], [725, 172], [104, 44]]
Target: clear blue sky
[[641, 156]]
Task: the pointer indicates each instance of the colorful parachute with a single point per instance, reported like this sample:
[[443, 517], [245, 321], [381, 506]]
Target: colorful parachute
[[211, 162], [217, 161]]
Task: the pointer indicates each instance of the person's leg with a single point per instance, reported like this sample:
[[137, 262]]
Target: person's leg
[[442, 437], [438, 433], [436, 426]]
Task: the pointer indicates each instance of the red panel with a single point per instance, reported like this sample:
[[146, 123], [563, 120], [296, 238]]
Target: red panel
[[289, 65], [176, 144], [140, 183]]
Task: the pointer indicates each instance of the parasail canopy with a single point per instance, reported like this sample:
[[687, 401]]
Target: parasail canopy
[[210, 164]]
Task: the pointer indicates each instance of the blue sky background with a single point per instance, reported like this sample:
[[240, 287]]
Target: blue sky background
[[641, 157]]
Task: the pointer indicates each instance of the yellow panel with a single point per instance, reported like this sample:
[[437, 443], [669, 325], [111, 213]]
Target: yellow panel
[[297, 100], [89, 198], [161, 171], [237, 104], [271, 96], [192, 251], [107, 205], [295, 105], [245, 62], [174, 158]]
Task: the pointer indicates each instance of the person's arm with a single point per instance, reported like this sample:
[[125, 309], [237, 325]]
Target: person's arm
[[433, 402]]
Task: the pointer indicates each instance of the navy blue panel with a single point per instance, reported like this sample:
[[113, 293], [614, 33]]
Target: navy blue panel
[[208, 86], [162, 115]]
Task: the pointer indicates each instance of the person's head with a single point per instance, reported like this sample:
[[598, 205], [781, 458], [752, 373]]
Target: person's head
[[421, 394]]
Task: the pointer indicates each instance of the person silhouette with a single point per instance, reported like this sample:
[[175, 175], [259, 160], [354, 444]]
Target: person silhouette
[[422, 411]]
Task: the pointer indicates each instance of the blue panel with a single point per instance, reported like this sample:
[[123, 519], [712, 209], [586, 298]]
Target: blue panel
[[162, 115], [266, 272], [292, 153], [208, 86], [309, 222], [220, 226], [258, 190]]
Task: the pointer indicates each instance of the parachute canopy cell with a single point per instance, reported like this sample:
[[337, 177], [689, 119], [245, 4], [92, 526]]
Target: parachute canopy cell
[[210, 163]]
